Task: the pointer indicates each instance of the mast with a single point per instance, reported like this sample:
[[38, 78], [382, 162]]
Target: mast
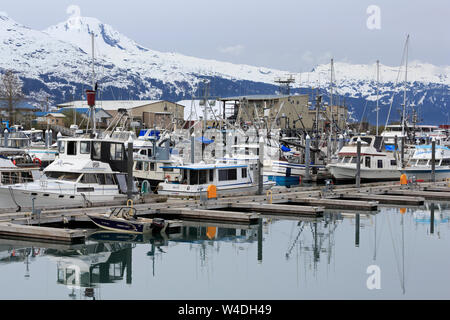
[[378, 83], [404, 92], [93, 83]]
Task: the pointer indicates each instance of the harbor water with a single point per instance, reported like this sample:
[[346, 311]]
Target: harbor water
[[395, 253]]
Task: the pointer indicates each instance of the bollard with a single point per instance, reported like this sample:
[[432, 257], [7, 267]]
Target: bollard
[[358, 163], [130, 170], [261, 166], [193, 148], [307, 159], [5, 136], [50, 138], [46, 139], [58, 140], [403, 152], [341, 143]]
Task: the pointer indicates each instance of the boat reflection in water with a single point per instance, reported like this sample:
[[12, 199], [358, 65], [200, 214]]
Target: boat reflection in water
[[301, 248], [93, 264]]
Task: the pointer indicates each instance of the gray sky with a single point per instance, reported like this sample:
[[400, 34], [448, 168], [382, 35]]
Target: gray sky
[[290, 35]]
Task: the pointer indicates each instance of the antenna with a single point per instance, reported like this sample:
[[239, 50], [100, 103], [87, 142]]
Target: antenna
[[285, 84]]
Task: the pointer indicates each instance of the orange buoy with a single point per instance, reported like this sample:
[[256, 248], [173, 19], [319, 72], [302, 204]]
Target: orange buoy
[[211, 191], [403, 180]]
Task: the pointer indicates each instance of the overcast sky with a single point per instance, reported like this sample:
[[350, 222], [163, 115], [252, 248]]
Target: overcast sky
[[290, 35]]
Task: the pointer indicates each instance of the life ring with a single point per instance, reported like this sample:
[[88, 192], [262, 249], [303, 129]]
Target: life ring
[[37, 160]]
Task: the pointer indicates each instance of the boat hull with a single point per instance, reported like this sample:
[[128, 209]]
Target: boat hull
[[425, 174], [123, 225], [11, 198], [349, 173]]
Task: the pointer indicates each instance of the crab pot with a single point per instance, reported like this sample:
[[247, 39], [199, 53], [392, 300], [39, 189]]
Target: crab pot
[[90, 97]]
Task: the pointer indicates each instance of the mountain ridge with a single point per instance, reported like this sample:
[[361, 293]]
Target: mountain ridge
[[57, 61]]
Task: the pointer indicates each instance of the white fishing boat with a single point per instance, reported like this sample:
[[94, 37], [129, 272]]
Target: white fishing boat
[[376, 165], [11, 173], [87, 170], [228, 179], [419, 165]]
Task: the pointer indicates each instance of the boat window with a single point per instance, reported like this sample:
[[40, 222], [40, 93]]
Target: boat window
[[223, 175], [353, 160], [422, 162], [109, 179], [168, 169], [202, 176], [152, 166], [139, 165], [88, 178], [445, 162], [193, 177], [211, 175], [72, 148], [380, 164], [367, 162], [96, 150], [62, 147], [101, 179], [85, 147], [393, 162], [116, 151], [244, 173], [227, 174], [146, 166], [68, 176]]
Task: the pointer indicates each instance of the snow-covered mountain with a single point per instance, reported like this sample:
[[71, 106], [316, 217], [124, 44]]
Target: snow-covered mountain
[[57, 62]]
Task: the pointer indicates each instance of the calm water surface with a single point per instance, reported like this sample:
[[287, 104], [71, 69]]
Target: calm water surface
[[325, 258]]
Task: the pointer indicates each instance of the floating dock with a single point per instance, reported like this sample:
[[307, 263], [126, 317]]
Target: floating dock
[[286, 203]]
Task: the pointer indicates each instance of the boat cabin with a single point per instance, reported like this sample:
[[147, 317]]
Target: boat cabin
[[206, 174], [112, 152]]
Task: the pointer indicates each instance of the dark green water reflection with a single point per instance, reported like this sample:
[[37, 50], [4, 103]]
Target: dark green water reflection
[[326, 258]]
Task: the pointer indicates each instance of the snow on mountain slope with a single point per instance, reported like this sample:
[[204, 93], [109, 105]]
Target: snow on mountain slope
[[57, 61]]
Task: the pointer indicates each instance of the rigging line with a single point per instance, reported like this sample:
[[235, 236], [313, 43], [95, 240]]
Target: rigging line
[[396, 81], [395, 253]]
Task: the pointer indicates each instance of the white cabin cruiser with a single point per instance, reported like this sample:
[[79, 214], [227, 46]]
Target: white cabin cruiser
[[419, 165], [86, 171], [376, 165], [228, 179]]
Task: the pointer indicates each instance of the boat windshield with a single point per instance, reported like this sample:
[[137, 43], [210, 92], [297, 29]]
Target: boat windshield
[[67, 176]]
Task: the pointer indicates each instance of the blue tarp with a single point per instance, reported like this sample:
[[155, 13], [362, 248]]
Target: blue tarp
[[152, 132], [390, 147], [204, 140], [285, 149]]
